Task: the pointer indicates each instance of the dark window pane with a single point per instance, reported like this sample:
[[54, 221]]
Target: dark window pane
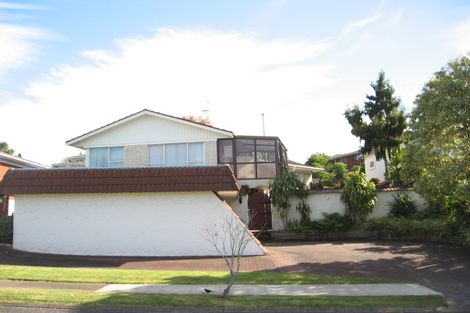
[[225, 150], [245, 150], [266, 170], [245, 171], [265, 151]]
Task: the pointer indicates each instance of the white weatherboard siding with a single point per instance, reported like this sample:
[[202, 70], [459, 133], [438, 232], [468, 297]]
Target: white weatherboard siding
[[378, 170], [127, 224], [148, 129]]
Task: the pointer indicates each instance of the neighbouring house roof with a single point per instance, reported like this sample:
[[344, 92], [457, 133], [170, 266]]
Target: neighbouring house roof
[[128, 118], [343, 155], [299, 167], [14, 161], [118, 180]]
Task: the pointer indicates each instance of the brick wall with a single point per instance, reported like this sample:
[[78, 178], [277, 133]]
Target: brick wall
[[136, 156], [211, 152]]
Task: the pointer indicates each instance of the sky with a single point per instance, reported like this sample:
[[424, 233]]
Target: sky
[[70, 66]]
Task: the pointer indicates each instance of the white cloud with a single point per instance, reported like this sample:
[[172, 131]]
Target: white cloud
[[461, 37], [17, 42], [175, 72], [17, 45]]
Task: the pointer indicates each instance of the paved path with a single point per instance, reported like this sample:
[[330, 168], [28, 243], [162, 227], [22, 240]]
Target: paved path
[[280, 290], [258, 290]]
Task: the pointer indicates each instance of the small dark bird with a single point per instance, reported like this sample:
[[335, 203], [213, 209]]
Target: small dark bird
[[207, 290]]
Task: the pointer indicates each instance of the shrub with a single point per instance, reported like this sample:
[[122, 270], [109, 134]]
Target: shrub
[[297, 227], [402, 205], [333, 222], [359, 197], [6, 229], [401, 226]]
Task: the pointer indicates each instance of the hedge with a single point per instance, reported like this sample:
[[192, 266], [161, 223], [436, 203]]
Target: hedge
[[6, 229], [437, 228]]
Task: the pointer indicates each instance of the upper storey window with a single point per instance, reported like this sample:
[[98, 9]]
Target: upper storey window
[[106, 157], [180, 154]]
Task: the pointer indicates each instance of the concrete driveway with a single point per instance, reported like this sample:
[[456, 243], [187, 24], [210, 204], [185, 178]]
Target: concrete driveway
[[440, 267]]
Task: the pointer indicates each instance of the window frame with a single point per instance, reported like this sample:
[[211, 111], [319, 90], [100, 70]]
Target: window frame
[[280, 161], [108, 157], [188, 163]]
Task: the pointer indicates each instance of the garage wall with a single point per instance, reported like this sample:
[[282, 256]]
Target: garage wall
[[132, 224]]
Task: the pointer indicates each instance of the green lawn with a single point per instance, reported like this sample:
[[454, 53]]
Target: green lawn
[[89, 298], [123, 276]]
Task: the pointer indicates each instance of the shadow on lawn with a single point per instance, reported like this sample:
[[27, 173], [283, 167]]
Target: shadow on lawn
[[10, 256]]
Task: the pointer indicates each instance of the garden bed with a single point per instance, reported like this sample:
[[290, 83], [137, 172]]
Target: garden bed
[[324, 236]]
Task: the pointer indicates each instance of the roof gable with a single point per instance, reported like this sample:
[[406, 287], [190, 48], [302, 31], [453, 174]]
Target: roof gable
[[146, 127]]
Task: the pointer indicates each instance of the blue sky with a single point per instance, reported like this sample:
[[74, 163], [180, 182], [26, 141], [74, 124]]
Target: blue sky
[[67, 67]]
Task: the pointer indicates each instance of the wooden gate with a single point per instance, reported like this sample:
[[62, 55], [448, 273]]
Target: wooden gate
[[259, 210]]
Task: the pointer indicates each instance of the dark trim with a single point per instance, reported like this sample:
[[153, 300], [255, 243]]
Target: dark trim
[[217, 195]]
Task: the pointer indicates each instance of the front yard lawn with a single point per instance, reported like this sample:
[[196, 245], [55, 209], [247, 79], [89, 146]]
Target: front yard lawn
[[93, 299], [124, 276]]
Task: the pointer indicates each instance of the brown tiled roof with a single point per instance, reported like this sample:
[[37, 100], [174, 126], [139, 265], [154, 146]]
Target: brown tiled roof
[[149, 179]]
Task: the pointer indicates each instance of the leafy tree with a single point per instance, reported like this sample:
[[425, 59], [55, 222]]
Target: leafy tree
[[338, 172], [5, 148], [198, 119], [334, 173], [318, 160], [438, 153], [359, 196], [395, 172], [380, 123]]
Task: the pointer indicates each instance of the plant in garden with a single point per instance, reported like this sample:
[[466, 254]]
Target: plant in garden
[[402, 206], [282, 188], [437, 156], [230, 241], [359, 196], [395, 173], [400, 226], [333, 222], [381, 123]]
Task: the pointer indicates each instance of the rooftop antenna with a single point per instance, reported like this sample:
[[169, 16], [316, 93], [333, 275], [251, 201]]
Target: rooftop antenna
[[262, 118], [206, 111]]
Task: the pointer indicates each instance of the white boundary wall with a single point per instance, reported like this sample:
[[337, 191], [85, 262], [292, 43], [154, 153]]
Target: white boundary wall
[[126, 224], [330, 202]]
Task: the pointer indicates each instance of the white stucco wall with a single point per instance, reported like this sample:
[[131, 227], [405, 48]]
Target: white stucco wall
[[330, 202], [131, 224], [241, 209]]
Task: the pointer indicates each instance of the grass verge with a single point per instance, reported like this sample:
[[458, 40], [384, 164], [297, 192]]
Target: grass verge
[[90, 299], [122, 276]]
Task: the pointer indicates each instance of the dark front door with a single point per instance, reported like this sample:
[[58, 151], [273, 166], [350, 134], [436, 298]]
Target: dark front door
[[259, 210]]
